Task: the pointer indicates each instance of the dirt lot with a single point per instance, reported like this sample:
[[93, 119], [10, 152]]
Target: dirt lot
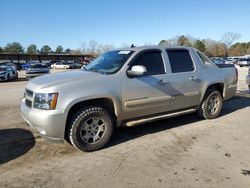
[[178, 152]]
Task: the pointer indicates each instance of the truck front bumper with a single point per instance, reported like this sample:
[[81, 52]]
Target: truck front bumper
[[49, 123]]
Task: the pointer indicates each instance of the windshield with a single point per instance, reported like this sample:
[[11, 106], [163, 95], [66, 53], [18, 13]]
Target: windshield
[[2, 69], [38, 66], [109, 62]]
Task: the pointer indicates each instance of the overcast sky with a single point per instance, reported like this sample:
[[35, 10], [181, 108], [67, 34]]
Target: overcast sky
[[71, 22]]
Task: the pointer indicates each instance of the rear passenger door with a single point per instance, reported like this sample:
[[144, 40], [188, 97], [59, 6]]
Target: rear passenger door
[[185, 80]]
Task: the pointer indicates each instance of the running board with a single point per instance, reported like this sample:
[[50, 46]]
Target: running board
[[160, 117]]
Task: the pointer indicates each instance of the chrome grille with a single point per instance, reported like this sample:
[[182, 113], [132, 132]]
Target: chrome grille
[[28, 98], [29, 92], [28, 103]]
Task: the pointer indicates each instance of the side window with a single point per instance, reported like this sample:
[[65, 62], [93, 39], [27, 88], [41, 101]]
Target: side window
[[180, 61], [152, 61], [205, 60]]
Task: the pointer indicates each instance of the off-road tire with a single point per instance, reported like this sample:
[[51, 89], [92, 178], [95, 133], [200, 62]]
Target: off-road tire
[[8, 77], [203, 109], [77, 121], [16, 75]]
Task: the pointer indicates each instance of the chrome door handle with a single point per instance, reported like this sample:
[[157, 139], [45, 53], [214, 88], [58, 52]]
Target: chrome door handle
[[194, 78], [162, 82]]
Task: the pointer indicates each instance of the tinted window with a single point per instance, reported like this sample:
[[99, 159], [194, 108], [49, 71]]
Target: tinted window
[[180, 61], [152, 61]]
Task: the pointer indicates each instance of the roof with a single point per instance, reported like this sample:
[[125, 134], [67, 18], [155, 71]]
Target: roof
[[140, 48]]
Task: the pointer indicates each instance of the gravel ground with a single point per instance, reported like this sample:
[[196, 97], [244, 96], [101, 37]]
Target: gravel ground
[[178, 152]]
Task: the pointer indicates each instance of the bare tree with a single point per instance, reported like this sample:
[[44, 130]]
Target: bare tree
[[83, 47], [92, 46], [76, 52], [104, 48], [230, 37]]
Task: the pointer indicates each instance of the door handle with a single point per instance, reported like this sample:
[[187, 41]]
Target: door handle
[[194, 78], [162, 82]]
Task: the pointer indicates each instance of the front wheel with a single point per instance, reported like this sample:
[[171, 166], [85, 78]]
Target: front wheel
[[91, 128], [211, 105]]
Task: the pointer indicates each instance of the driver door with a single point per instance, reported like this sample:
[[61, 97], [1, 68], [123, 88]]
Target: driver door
[[148, 94]]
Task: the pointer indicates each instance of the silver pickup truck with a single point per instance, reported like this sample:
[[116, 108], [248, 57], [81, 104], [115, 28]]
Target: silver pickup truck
[[125, 87]]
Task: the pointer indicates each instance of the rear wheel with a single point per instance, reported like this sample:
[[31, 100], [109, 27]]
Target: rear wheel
[[8, 77], [16, 77], [211, 105], [90, 128]]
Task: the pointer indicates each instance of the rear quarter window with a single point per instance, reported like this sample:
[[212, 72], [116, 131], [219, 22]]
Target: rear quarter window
[[180, 61], [204, 59]]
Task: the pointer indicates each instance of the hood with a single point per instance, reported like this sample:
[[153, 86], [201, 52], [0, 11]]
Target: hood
[[56, 79]]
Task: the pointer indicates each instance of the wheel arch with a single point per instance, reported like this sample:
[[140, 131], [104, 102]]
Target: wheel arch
[[216, 86], [107, 103]]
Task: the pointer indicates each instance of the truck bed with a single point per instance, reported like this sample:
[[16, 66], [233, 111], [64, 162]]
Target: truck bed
[[225, 65]]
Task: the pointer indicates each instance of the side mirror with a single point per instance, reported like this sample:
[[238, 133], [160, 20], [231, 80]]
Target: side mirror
[[137, 70]]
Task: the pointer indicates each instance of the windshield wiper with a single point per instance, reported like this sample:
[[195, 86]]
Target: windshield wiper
[[96, 70]]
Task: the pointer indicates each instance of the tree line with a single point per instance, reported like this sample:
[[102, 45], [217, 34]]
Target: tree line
[[91, 48], [227, 46], [222, 48]]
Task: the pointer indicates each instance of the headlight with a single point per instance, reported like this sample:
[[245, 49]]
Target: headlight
[[45, 101]]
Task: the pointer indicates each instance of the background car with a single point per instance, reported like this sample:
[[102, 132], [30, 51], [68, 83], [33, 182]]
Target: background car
[[37, 70], [18, 66], [7, 73], [218, 61], [60, 65], [25, 66], [243, 62]]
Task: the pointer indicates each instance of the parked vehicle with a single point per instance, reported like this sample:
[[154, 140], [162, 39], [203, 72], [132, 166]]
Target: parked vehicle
[[7, 73], [71, 65], [18, 66], [248, 78], [9, 64], [126, 87], [37, 70], [243, 62], [60, 65], [78, 65], [218, 61], [25, 66]]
